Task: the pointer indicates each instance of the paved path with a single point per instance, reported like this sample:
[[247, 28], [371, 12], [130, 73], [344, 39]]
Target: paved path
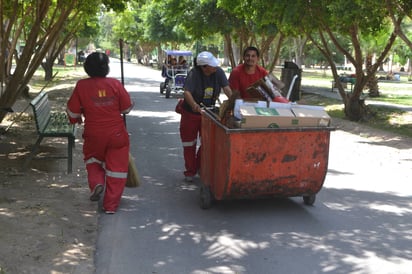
[[360, 223]]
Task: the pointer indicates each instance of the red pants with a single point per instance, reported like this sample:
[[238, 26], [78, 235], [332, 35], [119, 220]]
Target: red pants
[[190, 126], [107, 157]]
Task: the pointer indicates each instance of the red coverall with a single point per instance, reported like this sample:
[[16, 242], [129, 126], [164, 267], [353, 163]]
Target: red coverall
[[190, 131], [102, 101]]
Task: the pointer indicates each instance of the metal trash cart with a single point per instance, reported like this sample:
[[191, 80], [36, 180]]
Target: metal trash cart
[[261, 162]]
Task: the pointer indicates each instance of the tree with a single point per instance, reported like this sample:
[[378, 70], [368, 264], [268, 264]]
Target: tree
[[161, 22], [80, 22], [399, 9], [341, 21], [39, 24], [256, 23]]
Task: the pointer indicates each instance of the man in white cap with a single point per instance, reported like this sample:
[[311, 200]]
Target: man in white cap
[[202, 87]]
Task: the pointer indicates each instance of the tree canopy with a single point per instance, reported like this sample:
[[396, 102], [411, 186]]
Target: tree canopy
[[42, 26], [364, 32]]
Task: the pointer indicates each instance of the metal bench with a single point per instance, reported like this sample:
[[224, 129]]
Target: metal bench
[[51, 124], [344, 85]]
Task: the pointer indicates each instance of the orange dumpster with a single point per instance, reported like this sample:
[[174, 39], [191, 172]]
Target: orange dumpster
[[261, 162]]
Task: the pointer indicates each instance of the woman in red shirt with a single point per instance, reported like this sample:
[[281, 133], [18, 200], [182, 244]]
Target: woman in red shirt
[[101, 101]]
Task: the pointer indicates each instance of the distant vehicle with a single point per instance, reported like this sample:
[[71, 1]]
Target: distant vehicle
[[175, 68]]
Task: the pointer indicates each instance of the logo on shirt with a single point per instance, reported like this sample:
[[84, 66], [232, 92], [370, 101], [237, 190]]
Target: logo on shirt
[[103, 99], [102, 93], [208, 93]]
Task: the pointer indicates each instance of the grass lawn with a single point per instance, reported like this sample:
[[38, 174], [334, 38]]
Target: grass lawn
[[63, 76], [386, 118], [396, 92], [381, 117]]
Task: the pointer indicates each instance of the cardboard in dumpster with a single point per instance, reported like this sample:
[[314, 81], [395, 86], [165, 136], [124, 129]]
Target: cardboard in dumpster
[[241, 102], [262, 117], [282, 116], [311, 116]]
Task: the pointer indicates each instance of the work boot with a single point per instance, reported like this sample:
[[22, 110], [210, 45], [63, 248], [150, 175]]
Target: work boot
[[189, 179], [95, 196]]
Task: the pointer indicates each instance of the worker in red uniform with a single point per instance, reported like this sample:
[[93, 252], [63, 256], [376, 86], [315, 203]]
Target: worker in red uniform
[[202, 88], [247, 73], [102, 101]]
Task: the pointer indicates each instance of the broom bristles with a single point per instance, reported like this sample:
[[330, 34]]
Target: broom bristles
[[133, 178]]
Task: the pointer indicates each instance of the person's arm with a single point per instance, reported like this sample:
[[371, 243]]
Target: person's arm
[[234, 80], [74, 117], [125, 102], [228, 91], [127, 110], [74, 109], [191, 101]]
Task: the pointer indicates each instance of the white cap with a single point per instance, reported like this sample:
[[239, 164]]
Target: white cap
[[206, 58]]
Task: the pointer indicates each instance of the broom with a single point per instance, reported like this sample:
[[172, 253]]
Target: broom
[[133, 179]]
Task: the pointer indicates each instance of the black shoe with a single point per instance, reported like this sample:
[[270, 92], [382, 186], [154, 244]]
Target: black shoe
[[95, 196], [189, 179]]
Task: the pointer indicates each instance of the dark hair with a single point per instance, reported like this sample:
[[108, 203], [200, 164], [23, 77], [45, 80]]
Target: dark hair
[[97, 64], [251, 48]]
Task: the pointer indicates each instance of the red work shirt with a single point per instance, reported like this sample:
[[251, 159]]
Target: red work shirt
[[101, 100], [240, 80]]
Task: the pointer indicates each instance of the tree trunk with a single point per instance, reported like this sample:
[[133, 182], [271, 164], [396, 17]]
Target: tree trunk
[[373, 86], [161, 58], [229, 47], [277, 53], [299, 44], [355, 108], [48, 70], [372, 83], [10, 94]]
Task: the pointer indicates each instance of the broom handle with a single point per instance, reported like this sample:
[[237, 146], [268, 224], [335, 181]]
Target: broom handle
[[121, 70]]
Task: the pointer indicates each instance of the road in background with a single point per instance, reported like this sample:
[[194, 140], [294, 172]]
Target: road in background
[[361, 221]]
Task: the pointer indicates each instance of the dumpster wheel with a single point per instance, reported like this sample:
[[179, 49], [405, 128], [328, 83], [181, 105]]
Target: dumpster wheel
[[206, 198], [309, 199]]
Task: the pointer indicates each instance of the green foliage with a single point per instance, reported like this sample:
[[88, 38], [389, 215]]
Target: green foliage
[[258, 16], [205, 18], [161, 21], [367, 14], [315, 57], [115, 5], [125, 26]]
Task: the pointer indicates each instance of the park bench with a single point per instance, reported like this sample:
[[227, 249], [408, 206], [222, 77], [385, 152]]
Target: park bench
[[344, 82], [51, 124]]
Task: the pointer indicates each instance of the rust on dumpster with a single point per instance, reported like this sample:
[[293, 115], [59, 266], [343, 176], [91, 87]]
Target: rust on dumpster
[[257, 163]]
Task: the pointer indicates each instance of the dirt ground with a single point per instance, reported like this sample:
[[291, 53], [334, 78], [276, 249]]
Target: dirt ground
[[48, 224]]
